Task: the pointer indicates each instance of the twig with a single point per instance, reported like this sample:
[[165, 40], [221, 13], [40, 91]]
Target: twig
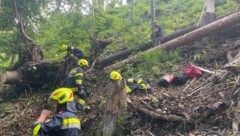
[[92, 66], [146, 104], [204, 70]]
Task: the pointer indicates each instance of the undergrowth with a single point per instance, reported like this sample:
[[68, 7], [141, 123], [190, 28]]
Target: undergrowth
[[157, 62]]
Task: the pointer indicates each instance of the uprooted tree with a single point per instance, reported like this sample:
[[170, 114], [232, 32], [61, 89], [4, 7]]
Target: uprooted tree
[[33, 51]]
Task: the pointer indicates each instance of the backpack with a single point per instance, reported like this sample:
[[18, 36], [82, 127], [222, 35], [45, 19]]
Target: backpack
[[192, 72]]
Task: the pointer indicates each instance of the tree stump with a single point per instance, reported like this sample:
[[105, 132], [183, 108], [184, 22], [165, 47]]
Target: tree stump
[[115, 106]]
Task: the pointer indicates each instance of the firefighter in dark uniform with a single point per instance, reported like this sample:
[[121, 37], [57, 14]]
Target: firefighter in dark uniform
[[75, 83], [132, 84], [73, 52], [65, 122]]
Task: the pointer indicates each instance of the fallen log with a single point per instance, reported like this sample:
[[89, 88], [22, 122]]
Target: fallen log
[[10, 77], [121, 55], [35, 75], [187, 38], [124, 54], [157, 115]]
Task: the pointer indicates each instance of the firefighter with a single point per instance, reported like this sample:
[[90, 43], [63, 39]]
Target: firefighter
[[71, 51], [132, 84], [65, 122], [75, 83]]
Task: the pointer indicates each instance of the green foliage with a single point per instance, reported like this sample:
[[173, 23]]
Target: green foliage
[[157, 62], [73, 31], [27, 10], [7, 44], [227, 7], [71, 22]]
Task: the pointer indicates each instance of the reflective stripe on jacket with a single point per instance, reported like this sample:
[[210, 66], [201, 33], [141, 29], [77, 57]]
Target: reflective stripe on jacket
[[135, 84], [75, 77], [62, 124]]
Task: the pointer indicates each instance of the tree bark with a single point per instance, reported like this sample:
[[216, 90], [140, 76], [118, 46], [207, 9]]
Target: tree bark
[[187, 38], [161, 116], [121, 55], [14, 58], [116, 104], [35, 75], [208, 17], [36, 53], [10, 77]]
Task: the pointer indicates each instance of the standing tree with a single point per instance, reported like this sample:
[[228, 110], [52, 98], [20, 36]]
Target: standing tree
[[21, 16]]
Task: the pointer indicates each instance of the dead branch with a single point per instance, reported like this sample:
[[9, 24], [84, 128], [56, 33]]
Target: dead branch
[[159, 116]]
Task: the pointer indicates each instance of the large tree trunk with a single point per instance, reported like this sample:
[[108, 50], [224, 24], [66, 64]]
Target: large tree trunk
[[124, 54], [208, 17], [36, 53], [35, 75], [187, 38], [10, 77], [116, 104]]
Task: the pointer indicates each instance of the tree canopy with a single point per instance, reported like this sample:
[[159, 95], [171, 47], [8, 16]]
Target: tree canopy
[[80, 22]]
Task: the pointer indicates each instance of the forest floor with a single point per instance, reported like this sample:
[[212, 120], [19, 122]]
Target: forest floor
[[208, 105]]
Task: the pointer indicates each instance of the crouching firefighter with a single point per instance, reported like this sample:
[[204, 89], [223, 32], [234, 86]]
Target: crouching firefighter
[[65, 122], [75, 83], [71, 51], [132, 84]]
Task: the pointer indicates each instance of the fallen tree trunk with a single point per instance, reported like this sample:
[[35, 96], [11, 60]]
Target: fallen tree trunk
[[124, 54], [35, 75], [121, 55], [161, 116], [10, 77], [187, 38]]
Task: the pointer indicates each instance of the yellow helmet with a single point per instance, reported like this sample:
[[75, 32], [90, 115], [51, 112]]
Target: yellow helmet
[[64, 47], [62, 95], [114, 75], [83, 62]]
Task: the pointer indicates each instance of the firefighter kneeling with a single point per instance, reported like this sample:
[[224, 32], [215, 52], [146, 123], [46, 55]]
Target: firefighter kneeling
[[132, 84]]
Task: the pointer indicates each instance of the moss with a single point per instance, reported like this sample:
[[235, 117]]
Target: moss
[[122, 125]]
